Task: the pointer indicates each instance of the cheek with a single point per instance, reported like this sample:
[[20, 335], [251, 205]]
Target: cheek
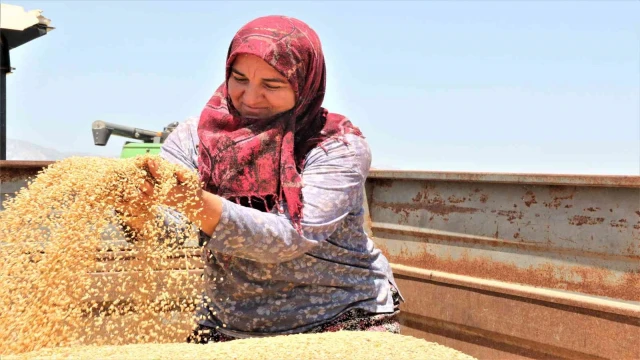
[[235, 92], [291, 99], [283, 100]]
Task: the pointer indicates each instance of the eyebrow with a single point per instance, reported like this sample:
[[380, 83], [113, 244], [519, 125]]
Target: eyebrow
[[276, 80]]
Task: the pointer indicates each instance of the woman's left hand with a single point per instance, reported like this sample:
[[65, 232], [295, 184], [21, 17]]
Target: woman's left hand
[[178, 194], [203, 208]]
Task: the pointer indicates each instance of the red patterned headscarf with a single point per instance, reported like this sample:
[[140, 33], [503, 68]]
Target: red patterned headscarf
[[257, 163]]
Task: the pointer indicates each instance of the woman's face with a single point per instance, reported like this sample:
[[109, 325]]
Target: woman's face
[[257, 90]]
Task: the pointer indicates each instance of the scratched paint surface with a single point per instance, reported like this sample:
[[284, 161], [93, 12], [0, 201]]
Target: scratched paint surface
[[570, 237]]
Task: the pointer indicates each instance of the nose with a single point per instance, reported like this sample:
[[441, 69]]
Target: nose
[[252, 96]]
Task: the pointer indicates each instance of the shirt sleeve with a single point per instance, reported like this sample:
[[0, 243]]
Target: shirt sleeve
[[180, 146], [333, 180]]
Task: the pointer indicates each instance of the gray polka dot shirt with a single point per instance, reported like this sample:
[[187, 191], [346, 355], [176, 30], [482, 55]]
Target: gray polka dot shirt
[[264, 278]]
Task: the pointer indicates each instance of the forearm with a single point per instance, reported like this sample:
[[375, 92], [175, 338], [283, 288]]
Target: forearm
[[202, 209], [205, 212], [262, 237]]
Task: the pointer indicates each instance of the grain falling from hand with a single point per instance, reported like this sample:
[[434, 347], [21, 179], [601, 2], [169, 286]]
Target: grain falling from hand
[[64, 284]]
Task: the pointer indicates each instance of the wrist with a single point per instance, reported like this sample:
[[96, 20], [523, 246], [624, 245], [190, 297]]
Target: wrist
[[206, 212]]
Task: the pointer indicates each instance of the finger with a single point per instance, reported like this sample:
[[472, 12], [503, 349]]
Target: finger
[[153, 168], [180, 175], [146, 189]]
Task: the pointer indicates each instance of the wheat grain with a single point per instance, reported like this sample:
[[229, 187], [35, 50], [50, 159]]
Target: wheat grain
[[69, 293], [359, 345], [64, 285]]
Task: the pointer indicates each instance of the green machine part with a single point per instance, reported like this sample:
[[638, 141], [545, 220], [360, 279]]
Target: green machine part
[[132, 149], [150, 142]]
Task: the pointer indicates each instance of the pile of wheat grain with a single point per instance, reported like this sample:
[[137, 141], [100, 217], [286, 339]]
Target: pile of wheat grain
[[359, 345], [63, 284]]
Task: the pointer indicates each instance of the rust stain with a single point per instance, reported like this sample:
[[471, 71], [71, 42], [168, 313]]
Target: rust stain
[[424, 195], [456, 200], [559, 194], [592, 209], [531, 198], [557, 201], [589, 280], [637, 212], [580, 220], [516, 235], [637, 226], [619, 224], [432, 203], [404, 213], [484, 198], [511, 214], [568, 206], [434, 207]]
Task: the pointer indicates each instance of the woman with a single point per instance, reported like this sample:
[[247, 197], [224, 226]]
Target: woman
[[282, 205]]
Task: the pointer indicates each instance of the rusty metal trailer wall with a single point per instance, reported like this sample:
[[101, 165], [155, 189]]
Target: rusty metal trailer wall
[[14, 175], [498, 266], [514, 266]]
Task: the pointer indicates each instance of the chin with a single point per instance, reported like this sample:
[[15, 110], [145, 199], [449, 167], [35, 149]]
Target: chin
[[256, 116]]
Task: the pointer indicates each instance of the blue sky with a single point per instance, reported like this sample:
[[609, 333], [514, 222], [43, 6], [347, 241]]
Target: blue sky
[[503, 86]]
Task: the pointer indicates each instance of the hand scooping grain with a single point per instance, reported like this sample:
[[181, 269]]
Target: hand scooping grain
[[55, 290]]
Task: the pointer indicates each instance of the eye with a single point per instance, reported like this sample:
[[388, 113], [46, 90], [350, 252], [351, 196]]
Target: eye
[[240, 79], [271, 87]]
